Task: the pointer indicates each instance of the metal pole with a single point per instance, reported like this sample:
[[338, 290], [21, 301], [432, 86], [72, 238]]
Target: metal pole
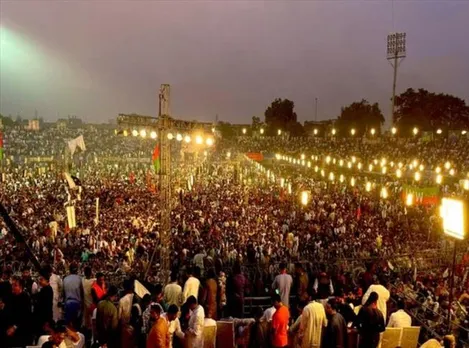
[[394, 89], [316, 110], [452, 286]]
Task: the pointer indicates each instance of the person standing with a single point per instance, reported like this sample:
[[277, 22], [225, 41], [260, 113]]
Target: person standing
[[88, 282], [18, 310], [173, 292], [313, 320], [125, 314], [336, 331], [195, 331], [370, 323], [210, 295], [73, 297], [280, 323], [107, 320], [174, 324], [159, 333], [191, 286], [57, 287], [44, 303], [303, 283], [283, 283], [383, 296], [400, 318], [238, 286]]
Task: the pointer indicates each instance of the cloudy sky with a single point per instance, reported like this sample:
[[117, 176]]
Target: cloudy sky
[[98, 58]]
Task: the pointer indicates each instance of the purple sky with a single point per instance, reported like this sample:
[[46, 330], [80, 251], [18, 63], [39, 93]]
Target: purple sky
[[95, 59]]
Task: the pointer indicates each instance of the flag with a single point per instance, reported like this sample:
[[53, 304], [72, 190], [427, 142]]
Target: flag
[[77, 142], [155, 158], [1, 146]]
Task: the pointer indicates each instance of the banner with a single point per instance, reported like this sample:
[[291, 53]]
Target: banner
[[422, 195], [255, 156]]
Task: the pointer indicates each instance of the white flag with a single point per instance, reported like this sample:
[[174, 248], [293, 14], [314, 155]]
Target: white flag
[[70, 181], [77, 142]]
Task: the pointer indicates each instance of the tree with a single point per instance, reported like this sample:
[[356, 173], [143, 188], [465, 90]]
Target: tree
[[256, 122], [7, 121], [429, 111], [360, 116], [226, 129], [280, 115]]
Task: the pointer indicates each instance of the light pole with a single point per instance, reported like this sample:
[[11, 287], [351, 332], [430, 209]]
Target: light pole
[[315, 109], [396, 52]]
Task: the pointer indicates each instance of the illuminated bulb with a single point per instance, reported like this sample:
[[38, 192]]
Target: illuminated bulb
[[359, 166], [289, 187], [464, 132], [368, 186], [187, 139], [384, 170], [199, 140], [315, 131], [323, 174], [439, 131], [373, 131], [277, 156], [303, 162], [400, 165], [205, 153], [466, 185], [333, 131], [262, 130], [439, 179], [352, 131], [391, 164], [170, 136], [370, 168], [421, 167], [352, 182], [316, 169], [126, 133], [438, 170], [398, 173], [279, 132], [244, 130], [328, 159], [304, 197], [394, 130], [209, 141], [384, 193], [354, 159], [415, 163], [143, 133], [415, 131], [375, 161], [331, 176], [411, 166], [153, 135], [447, 165], [282, 182], [302, 156], [333, 161], [135, 132], [451, 172], [228, 155], [179, 137], [349, 165], [409, 200], [341, 163], [417, 176], [341, 178], [309, 164]]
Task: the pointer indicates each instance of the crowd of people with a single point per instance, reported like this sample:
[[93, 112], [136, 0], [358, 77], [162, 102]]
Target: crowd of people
[[345, 260]]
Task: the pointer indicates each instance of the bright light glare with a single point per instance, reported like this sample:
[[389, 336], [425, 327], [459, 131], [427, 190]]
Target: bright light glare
[[143, 133], [373, 131], [384, 193], [398, 173], [451, 172], [179, 137], [135, 132], [368, 186], [409, 200], [453, 214], [352, 182], [244, 130], [126, 133], [199, 140], [304, 197], [262, 130], [303, 156], [315, 131], [153, 135], [417, 176], [209, 141], [187, 139], [466, 184], [439, 179], [279, 132], [170, 136], [439, 131], [333, 131], [438, 170], [415, 131], [352, 131], [394, 130], [447, 165]]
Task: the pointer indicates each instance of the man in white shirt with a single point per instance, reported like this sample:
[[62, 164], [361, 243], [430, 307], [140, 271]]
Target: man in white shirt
[[191, 287], [400, 318], [174, 325], [283, 283], [383, 296], [313, 321], [173, 292], [195, 332]]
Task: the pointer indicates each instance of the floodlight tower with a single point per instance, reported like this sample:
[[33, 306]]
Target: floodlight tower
[[396, 53]]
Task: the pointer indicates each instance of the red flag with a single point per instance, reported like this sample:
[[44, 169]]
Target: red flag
[[359, 212]]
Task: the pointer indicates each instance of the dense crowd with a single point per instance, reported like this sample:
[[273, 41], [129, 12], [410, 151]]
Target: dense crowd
[[234, 233]]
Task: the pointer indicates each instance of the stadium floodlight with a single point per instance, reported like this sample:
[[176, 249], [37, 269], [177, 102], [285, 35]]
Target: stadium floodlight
[[170, 136], [396, 49], [135, 132], [262, 131], [187, 139], [394, 130], [439, 131], [304, 197], [209, 141], [454, 214], [199, 140], [153, 135], [244, 130], [415, 131], [179, 137], [143, 133]]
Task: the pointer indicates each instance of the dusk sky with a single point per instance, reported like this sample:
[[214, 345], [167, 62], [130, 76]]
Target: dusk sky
[[95, 59]]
